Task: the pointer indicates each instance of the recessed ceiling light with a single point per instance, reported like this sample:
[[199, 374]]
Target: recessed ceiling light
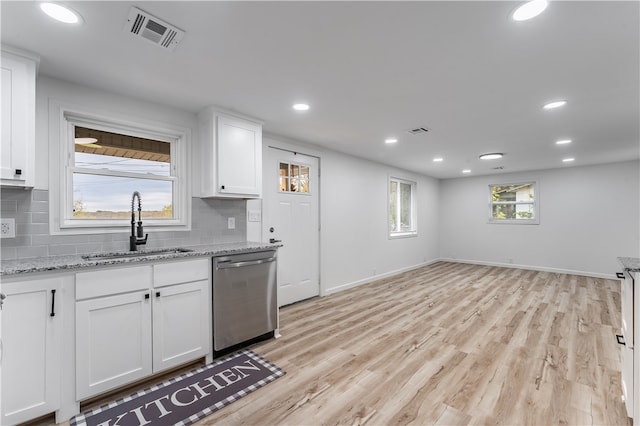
[[529, 10], [563, 141], [438, 160], [85, 141], [567, 160], [466, 171], [60, 13], [491, 156], [301, 107], [391, 140], [555, 104]]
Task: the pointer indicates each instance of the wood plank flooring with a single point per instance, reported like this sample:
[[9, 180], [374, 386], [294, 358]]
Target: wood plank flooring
[[446, 344]]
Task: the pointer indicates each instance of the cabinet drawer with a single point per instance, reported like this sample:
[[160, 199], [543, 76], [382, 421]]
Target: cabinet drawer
[[182, 271], [105, 282]]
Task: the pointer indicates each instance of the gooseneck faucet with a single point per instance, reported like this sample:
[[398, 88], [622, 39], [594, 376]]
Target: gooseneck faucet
[[136, 232]]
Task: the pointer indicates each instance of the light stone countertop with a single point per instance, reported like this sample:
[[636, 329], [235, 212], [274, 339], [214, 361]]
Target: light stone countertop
[[76, 262], [630, 263]]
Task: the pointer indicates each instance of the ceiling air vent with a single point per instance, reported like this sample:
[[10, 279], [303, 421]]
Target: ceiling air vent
[[418, 130], [498, 168], [152, 29]]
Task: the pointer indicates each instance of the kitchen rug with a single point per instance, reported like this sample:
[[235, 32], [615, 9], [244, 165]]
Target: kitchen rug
[[187, 398]]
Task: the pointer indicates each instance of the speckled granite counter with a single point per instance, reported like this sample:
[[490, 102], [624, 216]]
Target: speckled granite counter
[[75, 262], [630, 263]]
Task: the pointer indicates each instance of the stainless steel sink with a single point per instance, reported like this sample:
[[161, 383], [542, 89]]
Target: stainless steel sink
[[129, 254]]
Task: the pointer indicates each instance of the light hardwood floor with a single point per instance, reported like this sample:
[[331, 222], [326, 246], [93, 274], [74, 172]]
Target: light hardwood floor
[[447, 343]]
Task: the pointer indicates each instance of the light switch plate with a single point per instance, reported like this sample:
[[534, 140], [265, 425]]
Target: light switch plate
[[7, 227], [254, 216], [231, 223]]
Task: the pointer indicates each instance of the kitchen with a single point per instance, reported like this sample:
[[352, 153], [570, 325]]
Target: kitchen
[[574, 234]]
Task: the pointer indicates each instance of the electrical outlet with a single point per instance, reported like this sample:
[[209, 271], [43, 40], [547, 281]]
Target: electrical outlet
[[231, 223], [7, 228]]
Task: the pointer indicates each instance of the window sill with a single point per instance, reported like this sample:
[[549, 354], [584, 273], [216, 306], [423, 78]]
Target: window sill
[[397, 235], [513, 222]]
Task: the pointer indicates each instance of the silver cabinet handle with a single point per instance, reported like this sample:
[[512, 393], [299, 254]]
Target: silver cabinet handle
[[225, 265]]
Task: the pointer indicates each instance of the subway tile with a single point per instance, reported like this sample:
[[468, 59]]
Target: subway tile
[[88, 248], [39, 217], [32, 251], [8, 206], [39, 195], [8, 253], [58, 239], [18, 241], [62, 249], [32, 228]]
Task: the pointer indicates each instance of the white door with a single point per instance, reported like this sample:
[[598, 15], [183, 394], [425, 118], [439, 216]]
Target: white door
[[291, 191]]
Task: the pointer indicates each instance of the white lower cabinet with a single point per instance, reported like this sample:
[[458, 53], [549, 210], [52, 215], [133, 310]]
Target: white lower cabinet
[[180, 324], [31, 348], [113, 342], [137, 321]]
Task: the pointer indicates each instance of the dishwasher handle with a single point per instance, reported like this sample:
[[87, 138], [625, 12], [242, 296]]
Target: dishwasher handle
[[228, 264]]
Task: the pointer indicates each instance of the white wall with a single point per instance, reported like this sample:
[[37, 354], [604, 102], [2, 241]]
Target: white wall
[[588, 216], [111, 104], [354, 243]]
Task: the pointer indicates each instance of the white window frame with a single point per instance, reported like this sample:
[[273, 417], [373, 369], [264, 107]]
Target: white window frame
[[414, 203], [535, 203], [63, 119]]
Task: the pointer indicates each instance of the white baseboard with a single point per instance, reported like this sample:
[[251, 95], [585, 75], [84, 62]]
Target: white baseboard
[[376, 277], [473, 262], [532, 268]]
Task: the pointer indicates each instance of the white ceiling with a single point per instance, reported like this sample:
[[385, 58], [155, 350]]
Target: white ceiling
[[372, 70]]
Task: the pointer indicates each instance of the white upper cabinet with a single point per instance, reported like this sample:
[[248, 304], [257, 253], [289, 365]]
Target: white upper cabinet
[[17, 162], [231, 149]]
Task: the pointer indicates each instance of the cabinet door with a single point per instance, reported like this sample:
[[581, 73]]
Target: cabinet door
[[113, 342], [181, 325], [18, 120], [239, 159], [31, 345]]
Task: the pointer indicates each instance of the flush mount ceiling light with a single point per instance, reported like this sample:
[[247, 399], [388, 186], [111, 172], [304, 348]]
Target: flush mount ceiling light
[[85, 141], [529, 10], [391, 140], [61, 13], [568, 160], [491, 156], [563, 141], [555, 104], [438, 160], [301, 107], [466, 171]]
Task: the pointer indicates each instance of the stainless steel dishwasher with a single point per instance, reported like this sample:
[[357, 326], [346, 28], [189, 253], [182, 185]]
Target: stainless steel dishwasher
[[245, 303]]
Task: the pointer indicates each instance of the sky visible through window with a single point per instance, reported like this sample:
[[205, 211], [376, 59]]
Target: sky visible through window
[[113, 193]]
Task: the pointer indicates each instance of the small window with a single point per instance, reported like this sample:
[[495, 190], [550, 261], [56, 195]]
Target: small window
[[513, 203], [402, 208], [293, 178]]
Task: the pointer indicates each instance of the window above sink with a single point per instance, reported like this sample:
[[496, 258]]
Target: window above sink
[[103, 158]]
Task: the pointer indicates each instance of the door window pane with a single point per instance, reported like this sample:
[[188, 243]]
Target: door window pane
[[293, 178]]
